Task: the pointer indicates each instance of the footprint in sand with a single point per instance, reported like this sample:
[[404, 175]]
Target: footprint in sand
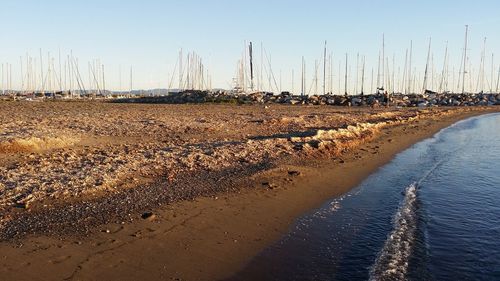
[[59, 259]]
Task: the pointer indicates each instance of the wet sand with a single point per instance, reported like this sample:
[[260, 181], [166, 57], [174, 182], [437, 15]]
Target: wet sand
[[214, 221]]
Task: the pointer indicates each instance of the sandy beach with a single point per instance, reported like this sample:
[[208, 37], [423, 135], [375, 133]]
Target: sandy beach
[[98, 191]]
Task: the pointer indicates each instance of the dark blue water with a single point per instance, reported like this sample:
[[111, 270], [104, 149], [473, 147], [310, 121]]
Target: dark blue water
[[433, 213]]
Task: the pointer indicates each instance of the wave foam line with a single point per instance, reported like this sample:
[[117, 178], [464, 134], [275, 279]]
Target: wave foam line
[[392, 261]]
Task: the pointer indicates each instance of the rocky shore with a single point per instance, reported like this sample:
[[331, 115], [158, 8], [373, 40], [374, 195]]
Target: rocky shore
[[429, 99]]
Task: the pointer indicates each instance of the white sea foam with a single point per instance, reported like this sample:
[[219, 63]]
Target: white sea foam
[[392, 261]]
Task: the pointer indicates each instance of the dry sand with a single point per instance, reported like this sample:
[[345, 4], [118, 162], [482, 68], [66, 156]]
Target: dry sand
[[221, 182]]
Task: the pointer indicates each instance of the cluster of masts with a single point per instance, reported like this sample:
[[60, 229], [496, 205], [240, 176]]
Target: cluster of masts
[[251, 76], [191, 72], [45, 74], [387, 77]]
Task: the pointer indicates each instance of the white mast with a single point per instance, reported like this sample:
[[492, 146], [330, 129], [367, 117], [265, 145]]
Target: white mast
[[345, 80], [261, 80], [120, 78], [409, 68], [41, 73], [393, 73], [324, 70], [303, 82], [130, 80], [424, 87], [388, 70], [363, 76], [403, 86], [103, 81], [244, 66], [357, 75], [281, 89], [480, 78], [340, 77], [3, 88], [444, 72], [331, 72], [71, 70], [498, 80], [371, 85], [181, 70], [60, 71], [22, 74], [383, 61], [65, 76], [465, 59], [316, 77], [10, 78], [492, 70], [378, 72]]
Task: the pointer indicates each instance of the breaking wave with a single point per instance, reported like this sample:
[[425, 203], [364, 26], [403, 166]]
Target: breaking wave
[[392, 261]]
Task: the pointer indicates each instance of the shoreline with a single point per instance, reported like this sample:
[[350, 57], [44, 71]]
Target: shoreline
[[213, 237]]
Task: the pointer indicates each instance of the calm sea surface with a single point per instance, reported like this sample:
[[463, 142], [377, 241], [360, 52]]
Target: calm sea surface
[[433, 213]]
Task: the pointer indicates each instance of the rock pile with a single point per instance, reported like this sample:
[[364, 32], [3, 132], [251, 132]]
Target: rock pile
[[403, 100]]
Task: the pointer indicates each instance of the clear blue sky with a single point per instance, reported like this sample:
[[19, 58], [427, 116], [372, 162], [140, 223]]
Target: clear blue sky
[[148, 34]]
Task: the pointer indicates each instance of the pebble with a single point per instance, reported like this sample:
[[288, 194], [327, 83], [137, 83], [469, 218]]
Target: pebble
[[148, 216]]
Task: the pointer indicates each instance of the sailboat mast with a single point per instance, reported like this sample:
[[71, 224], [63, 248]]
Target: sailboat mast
[[443, 73], [465, 59], [403, 80], [378, 72], [387, 89], [480, 77], [244, 68], [331, 72], [383, 61], [424, 87], [65, 76], [103, 81], [251, 66], [302, 82], [60, 73], [181, 70], [120, 78], [409, 68], [371, 85], [393, 73], [324, 69], [492, 79], [22, 75], [3, 87], [345, 80], [262, 66], [10, 78], [316, 65], [498, 80], [70, 72], [363, 76], [357, 75], [41, 73]]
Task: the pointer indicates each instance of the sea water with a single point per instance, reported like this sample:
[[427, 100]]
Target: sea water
[[433, 213]]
